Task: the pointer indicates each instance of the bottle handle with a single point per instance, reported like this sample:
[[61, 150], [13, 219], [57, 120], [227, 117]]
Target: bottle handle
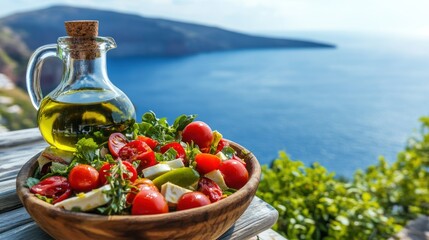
[[34, 68]]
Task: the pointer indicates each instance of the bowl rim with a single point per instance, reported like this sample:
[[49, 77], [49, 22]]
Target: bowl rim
[[252, 165]]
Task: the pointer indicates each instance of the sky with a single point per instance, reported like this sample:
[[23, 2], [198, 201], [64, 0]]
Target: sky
[[267, 16]]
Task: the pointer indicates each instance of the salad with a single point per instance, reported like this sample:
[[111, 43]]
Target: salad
[[153, 168]]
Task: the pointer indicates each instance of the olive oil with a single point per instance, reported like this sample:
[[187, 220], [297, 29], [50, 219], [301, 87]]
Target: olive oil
[[85, 103], [80, 113]]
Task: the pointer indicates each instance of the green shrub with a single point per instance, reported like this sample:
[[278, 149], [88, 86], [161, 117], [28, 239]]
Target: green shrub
[[402, 188], [375, 204]]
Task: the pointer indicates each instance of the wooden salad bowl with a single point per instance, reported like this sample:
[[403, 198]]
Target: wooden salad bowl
[[207, 222]]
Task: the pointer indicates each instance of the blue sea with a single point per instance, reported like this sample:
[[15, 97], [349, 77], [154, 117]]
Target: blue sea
[[342, 107]]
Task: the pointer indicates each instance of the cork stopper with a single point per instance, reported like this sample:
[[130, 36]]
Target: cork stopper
[[82, 28], [83, 35]]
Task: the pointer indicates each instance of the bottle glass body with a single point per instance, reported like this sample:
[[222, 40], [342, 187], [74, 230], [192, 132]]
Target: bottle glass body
[[85, 103]]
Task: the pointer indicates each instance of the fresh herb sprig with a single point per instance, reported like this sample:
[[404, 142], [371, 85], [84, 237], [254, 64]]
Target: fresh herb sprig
[[159, 129], [120, 186]]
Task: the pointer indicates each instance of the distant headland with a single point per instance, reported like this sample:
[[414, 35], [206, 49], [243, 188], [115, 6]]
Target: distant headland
[[138, 36]]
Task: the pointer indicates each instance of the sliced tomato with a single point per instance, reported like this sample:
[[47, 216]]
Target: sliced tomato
[[146, 159], [210, 189], [130, 151], [104, 172], [55, 187], [116, 142], [138, 151], [222, 143], [176, 146], [63, 196], [149, 141]]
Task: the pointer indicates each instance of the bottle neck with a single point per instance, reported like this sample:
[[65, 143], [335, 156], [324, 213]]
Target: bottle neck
[[86, 73], [84, 67]]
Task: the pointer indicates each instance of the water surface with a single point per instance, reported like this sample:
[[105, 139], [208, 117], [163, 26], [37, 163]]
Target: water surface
[[342, 107]]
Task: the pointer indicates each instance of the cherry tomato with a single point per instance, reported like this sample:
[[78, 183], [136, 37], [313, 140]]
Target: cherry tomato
[[210, 189], [235, 157], [83, 178], [105, 171], [55, 187], [176, 146], [132, 149], [152, 143], [140, 184], [222, 143], [138, 151], [200, 133], [192, 200], [234, 173], [207, 162], [145, 182], [149, 202], [116, 142]]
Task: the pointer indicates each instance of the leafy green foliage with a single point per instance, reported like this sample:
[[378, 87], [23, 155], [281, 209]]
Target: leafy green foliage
[[402, 188], [312, 204], [169, 155], [59, 169], [87, 152], [31, 181], [159, 129], [375, 204]]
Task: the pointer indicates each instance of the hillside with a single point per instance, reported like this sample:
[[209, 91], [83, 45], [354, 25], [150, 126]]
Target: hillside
[[14, 54], [16, 110], [140, 36]]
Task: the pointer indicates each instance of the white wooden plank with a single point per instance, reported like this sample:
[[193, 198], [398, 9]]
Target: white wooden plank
[[12, 159], [258, 217], [26, 231], [25, 136], [14, 218], [9, 200], [269, 235], [11, 164]]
